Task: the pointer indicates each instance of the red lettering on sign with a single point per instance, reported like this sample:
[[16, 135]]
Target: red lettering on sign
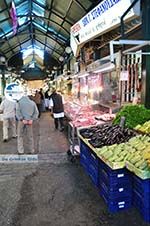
[[75, 28]]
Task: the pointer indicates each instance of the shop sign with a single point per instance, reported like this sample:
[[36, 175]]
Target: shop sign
[[14, 91], [104, 17]]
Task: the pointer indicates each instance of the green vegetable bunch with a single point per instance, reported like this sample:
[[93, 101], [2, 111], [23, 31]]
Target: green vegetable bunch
[[134, 114]]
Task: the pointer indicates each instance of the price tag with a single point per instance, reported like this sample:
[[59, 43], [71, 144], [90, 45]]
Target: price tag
[[121, 189], [121, 203], [120, 175], [124, 76], [122, 206]]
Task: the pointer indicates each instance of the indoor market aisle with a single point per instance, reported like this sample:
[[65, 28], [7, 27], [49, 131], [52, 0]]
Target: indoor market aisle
[[52, 192]]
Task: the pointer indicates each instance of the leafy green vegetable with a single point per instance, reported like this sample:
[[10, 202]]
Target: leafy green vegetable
[[134, 114]]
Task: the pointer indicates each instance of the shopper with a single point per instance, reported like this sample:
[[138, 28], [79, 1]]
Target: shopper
[[8, 108], [26, 113], [38, 101], [42, 100], [57, 109], [47, 99]]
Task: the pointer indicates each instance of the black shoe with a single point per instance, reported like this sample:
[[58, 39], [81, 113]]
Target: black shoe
[[20, 153], [62, 129], [14, 137], [5, 140]]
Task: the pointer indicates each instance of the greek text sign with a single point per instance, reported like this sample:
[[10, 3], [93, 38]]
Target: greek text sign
[[104, 17], [18, 158]]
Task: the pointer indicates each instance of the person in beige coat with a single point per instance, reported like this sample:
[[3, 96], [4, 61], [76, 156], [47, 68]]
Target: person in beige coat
[[8, 108]]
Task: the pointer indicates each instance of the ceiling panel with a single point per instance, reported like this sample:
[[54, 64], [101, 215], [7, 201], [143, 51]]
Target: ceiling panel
[[45, 22], [61, 6], [26, 44]]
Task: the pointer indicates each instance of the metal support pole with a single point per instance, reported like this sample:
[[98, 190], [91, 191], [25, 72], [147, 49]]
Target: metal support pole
[[122, 17], [3, 82], [145, 8]]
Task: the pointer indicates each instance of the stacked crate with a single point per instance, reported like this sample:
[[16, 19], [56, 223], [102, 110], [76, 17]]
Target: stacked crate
[[141, 196], [90, 162], [115, 187]]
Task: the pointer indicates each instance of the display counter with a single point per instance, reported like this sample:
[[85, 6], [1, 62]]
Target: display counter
[[82, 116]]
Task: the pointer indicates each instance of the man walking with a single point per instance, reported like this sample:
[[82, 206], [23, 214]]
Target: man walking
[[8, 108], [57, 109], [26, 113]]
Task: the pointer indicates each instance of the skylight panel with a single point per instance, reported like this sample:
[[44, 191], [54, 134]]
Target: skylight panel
[[33, 50], [38, 10]]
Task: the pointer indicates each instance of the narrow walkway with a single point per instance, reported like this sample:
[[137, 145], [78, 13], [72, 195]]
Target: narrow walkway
[[53, 192]]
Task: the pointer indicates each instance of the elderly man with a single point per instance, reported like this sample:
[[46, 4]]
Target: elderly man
[[26, 113], [8, 108]]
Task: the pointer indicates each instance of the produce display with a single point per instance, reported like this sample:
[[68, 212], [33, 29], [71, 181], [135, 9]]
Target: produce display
[[136, 151], [145, 128], [134, 115], [102, 135], [106, 117], [119, 147]]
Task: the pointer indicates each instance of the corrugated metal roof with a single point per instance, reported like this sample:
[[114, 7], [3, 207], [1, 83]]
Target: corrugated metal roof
[[43, 24]]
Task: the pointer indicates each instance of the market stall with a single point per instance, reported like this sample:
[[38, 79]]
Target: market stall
[[118, 160]]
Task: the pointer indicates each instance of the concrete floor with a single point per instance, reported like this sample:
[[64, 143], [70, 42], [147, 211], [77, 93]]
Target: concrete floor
[[53, 192]]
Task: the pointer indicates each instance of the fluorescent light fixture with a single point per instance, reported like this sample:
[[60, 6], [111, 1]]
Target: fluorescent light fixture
[[83, 75], [105, 68]]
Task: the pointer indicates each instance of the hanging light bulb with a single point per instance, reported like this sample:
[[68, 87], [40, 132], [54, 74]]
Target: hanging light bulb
[[2, 60], [68, 50], [61, 58]]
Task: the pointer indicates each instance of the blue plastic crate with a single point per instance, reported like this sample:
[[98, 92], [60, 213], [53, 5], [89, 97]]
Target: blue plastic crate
[[145, 213], [84, 161], [141, 201], [93, 173], [142, 186], [90, 169], [84, 148], [94, 159], [120, 176], [117, 191], [118, 173], [143, 208], [118, 204]]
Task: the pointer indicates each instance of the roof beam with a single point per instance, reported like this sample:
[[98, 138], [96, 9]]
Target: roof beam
[[54, 12], [45, 18], [49, 47], [34, 33], [37, 16], [31, 22], [51, 37], [48, 23], [5, 34], [61, 40], [67, 10], [80, 5], [15, 46]]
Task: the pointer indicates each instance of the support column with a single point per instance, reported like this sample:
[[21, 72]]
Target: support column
[[3, 82], [145, 7]]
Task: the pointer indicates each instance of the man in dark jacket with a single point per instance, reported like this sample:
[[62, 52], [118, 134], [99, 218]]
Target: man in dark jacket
[[57, 109]]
